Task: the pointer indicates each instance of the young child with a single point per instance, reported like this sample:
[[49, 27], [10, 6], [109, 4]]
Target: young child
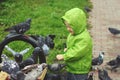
[[78, 55]]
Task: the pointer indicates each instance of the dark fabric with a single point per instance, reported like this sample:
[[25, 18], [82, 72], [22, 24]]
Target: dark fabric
[[71, 76]]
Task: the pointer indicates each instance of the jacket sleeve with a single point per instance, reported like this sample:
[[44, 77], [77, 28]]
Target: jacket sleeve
[[77, 51]]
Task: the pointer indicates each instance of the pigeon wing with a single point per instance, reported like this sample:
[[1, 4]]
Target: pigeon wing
[[95, 61]]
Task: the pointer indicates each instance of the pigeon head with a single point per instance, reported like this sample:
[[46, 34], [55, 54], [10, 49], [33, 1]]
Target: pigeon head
[[49, 40], [56, 67], [18, 57], [101, 55], [35, 54], [28, 20], [37, 50], [114, 31], [41, 41], [118, 59]]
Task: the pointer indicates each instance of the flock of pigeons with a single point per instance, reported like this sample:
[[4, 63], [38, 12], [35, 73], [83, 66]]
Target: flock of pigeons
[[114, 64], [12, 67], [102, 73]]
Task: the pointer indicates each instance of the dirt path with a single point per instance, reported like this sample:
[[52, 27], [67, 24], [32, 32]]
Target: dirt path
[[105, 13]]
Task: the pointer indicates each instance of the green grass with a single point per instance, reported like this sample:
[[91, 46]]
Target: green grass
[[46, 18]]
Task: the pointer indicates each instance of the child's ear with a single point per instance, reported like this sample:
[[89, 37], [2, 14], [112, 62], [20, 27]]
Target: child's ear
[[52, 36]]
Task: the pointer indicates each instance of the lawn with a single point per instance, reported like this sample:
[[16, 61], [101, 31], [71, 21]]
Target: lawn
[[46, 18]]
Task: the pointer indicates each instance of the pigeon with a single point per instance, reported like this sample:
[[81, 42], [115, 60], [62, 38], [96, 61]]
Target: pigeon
[[9, 66], [114, 31], [103, 74], [41, 43], [87, 9], [41, 40], [46, 43], [49, 41], [114, 61], [98, 60], [20, 28], [31, 60], [56, 67], [18, 58], [36, 54], [27, 72], [35, 70], [26, 62]]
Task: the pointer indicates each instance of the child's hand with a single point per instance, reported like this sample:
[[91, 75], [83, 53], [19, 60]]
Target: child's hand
[[65, 49], [60, 57]]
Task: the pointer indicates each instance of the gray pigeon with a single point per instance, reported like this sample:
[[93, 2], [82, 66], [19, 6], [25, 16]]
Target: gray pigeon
[[98, 60], [9, 66], [20, 28], [18, 57], [56, 67], [87, 9], [114, 31], [31, 60], [115, 63], [103, 74]]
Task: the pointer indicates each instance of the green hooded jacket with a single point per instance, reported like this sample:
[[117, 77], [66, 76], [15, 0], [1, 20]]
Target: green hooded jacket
[[78, 56]]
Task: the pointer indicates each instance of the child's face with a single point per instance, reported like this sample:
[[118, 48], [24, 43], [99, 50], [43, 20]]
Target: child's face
[[69, 27]]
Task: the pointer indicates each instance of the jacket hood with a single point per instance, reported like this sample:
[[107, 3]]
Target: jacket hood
[[77, 20]]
